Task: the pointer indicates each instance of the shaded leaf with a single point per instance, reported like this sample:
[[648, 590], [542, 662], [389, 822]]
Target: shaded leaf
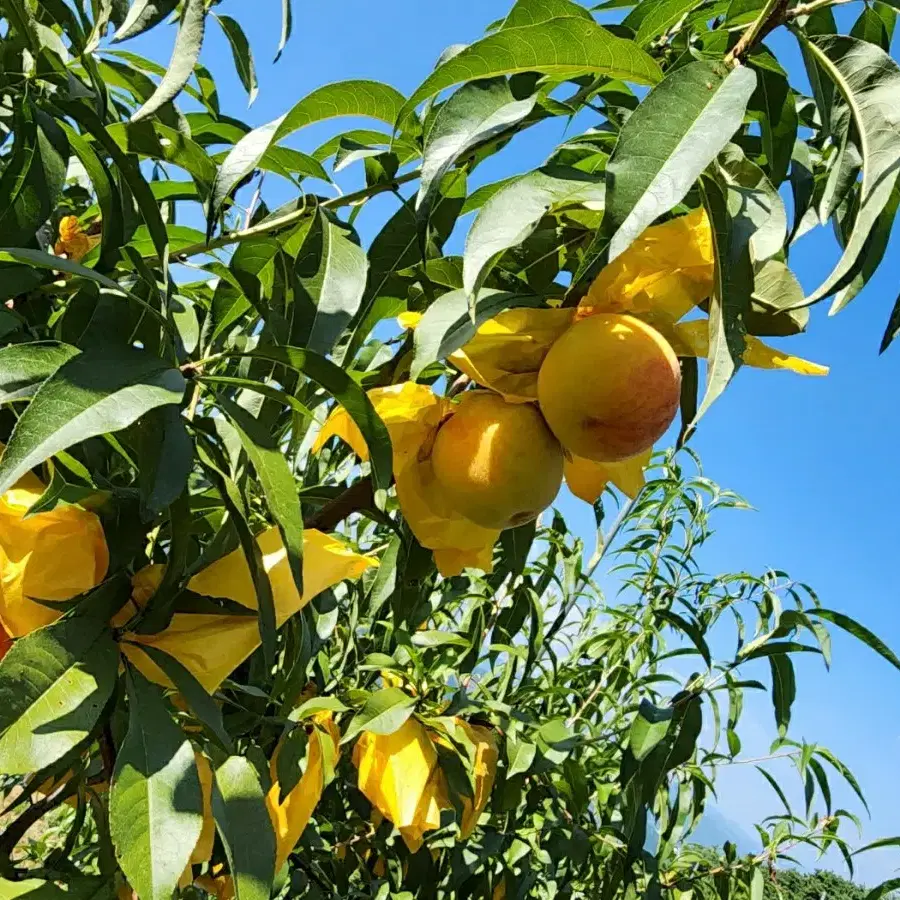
[[243, 823], [477, 111], [275, 479], [54, 684], [155, 802], [25, 367], [514, 211], [332, 270], [100, 391], [860, 632]]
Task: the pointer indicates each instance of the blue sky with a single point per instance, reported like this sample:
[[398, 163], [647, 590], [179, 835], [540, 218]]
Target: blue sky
[[815, 457]]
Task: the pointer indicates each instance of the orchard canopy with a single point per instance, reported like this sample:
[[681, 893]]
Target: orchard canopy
[[285, 607]]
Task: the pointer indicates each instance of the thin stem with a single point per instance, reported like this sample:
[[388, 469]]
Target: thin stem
[[759, 759]]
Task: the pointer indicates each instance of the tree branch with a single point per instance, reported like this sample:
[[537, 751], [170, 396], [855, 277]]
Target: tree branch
[[359, 496]]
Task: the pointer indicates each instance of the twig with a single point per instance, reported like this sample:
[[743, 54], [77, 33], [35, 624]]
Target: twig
[[770, 17], [359, 496]]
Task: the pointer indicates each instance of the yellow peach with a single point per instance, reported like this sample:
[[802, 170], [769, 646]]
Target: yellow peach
[[609, 387], [497, 463]]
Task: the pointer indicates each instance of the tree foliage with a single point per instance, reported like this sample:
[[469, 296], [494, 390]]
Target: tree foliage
[[241, 657]]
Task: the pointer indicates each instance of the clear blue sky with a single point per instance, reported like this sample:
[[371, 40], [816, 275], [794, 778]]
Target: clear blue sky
[[815, 457]]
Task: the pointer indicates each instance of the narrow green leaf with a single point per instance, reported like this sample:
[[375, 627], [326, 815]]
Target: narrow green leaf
[[287, 26], [383, 713], [332, 270], [784, 690], [108, 197], [241, 54], [155, 801], [185, 55], [650, 726], [514, 211], [476, 112], [563, 47], [33, 177], [676, 132], [893, 327], [775, 787], [25, 367], [348, 393], [860, 632], [774, 648], [142, 16], [201, 704], [100, 391], [243, 823], [275, 478], [235, 506], [868, 80], [54, 684], [130, 169], [732, 285], [774, 104], [885, 888], [242, 159]]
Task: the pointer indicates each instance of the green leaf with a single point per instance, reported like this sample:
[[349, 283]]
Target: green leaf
[[81, 887], [860, 632], [383, 713], [885, 888], [155, 801], [243, 823], [241, 54], [447, 324], [25, 367], [563, 47], [868, 80], [775, 787], [872, 26], [236, 508], [732, 285], [476, 112], [130, 170], [533, 12], [201, 704], [651, 19], [287, 26], [108, 197], [774, 648], [872, 253], [774, 104], [275, 478], [521, 757], [242, 159], [54, 684], [676, 132], [33, 176], [332, 270], [348, 393], [100, 391], [514, 211], [142, 16], [650, 726], [344, 98], [893, 327], [185, 55], [784, 690]]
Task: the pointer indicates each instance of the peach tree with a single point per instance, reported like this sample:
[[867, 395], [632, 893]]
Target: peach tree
[[284, 604]]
